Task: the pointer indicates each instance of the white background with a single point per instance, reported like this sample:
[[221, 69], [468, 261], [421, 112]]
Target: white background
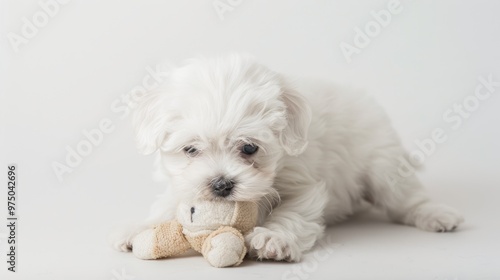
[[65, 78]]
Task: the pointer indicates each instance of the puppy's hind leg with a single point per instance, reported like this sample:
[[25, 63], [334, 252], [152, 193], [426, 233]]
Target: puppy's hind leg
[[404, 199]]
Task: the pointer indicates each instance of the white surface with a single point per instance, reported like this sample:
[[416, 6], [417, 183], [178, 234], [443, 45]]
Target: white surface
[[65, 79]]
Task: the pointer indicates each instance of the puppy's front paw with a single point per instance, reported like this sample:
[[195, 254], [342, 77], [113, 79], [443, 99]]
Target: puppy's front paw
[[267, 244], [437, 217], [120, 238]]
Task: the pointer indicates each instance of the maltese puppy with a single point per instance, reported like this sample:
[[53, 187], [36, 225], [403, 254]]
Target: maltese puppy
[[309, 154]]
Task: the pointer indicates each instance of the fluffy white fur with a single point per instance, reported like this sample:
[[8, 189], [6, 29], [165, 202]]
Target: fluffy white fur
[[323, 153]]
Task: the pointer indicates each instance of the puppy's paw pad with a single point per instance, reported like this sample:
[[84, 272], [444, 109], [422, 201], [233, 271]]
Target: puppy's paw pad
[[438, 218], [266, 244]]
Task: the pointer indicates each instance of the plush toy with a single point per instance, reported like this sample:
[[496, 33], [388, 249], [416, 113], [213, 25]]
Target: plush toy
[[213, 228]]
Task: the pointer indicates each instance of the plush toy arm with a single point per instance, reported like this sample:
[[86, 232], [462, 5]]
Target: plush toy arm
[[164, 240], [224, 247]]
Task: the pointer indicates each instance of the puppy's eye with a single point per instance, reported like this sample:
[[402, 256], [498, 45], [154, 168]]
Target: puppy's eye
[[249, 149], [190, 150]]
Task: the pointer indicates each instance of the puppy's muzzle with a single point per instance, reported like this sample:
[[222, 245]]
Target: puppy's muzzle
[[222, 187]]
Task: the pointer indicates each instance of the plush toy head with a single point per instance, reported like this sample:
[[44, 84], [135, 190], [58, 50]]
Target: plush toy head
[[213, 228], [203, 215]]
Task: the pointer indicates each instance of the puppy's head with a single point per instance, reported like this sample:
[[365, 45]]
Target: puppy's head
[[221, 126]]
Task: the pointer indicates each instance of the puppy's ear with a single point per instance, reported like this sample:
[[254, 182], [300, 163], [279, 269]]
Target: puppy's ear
[[149, 121], [293, 137]]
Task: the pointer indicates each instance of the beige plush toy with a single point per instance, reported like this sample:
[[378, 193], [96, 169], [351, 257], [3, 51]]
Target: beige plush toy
[[213, 228]]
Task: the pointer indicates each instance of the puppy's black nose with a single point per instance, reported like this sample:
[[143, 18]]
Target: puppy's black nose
[[222, 186]]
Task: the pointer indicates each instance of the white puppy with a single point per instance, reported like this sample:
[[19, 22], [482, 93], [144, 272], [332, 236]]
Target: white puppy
[[309, 154]]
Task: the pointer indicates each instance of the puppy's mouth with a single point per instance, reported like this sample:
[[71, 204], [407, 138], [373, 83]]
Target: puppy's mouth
[[209, 194]]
